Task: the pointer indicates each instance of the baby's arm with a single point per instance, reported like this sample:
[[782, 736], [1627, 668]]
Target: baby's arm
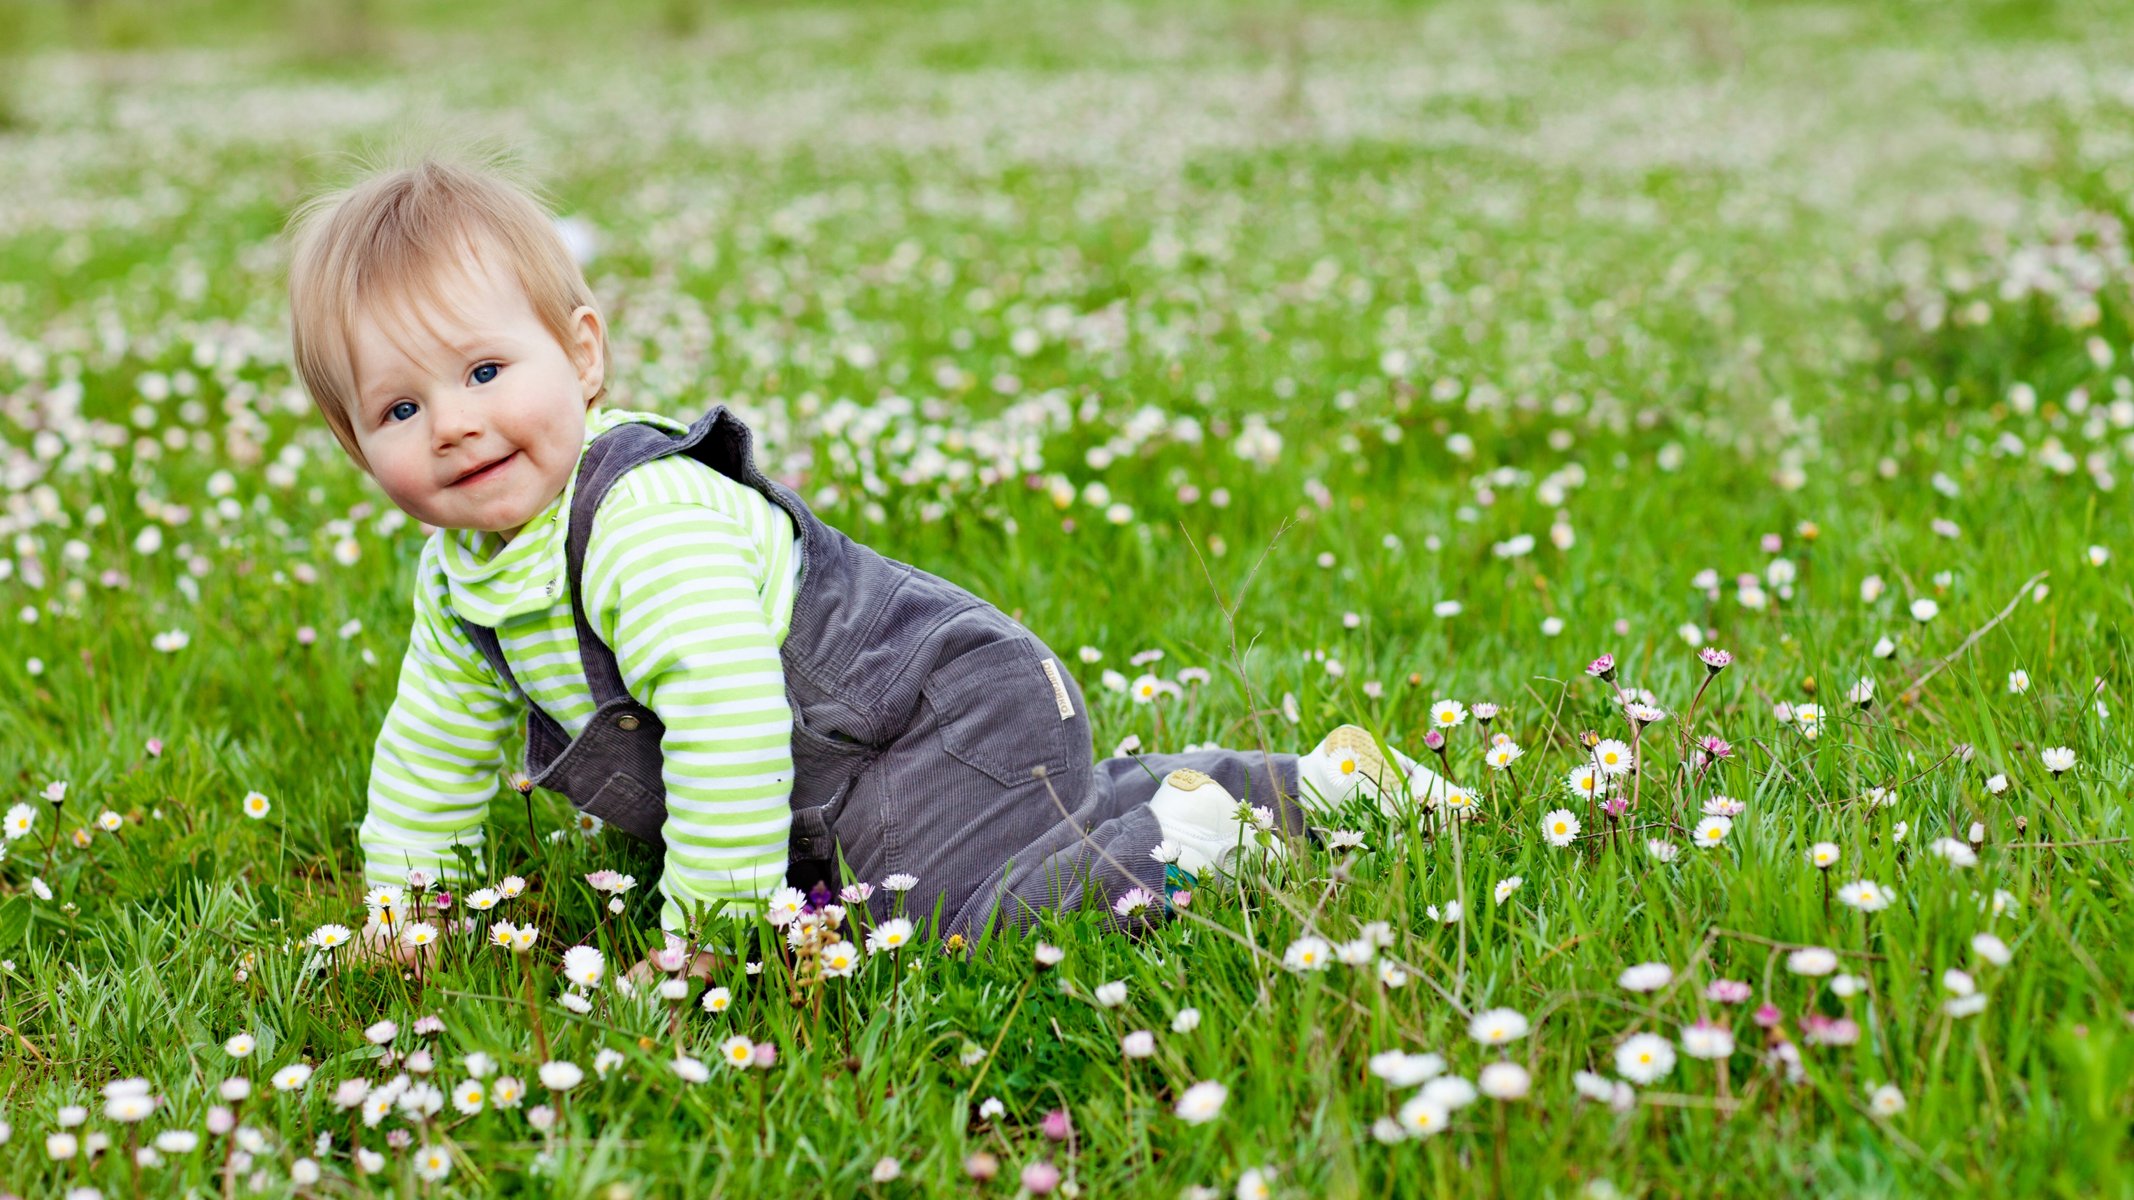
[[671, 588], [435, 766]]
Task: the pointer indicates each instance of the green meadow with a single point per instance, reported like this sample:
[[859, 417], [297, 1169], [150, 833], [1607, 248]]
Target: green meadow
[[1327, 362]]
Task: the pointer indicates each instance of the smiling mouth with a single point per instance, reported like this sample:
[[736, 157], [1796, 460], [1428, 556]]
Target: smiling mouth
[[480, 473]]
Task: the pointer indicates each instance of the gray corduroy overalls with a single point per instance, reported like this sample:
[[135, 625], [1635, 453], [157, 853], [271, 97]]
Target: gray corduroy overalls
[[919, 714]]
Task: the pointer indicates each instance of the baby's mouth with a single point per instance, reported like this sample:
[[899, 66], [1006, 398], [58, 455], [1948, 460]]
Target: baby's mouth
[[481, 473]]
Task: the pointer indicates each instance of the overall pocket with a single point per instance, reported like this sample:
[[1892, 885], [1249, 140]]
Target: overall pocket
[[826, 762], [1000, 712], [824, 759], [630, 806]]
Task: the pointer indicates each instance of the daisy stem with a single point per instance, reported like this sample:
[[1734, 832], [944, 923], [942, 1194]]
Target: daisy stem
[[987, 1065], [1593, 794], [1689, 720], [1497, 1159], [229, 1153], [533, 840], [896, 989], [340, 986], [1459, 888], [1126, 1086], [533, 1007], [763, 1125], [1637, 763]]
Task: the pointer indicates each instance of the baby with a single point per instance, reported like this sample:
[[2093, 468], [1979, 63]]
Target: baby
[[701, 662]]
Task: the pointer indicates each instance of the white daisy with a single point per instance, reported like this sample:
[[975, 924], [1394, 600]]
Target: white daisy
[[1586, 780], [1307, 954], [1496, 1026], [1560, 827], [1611, 756], [1423, 1117], [1202, 1102], [1646, 977], [1707, 1041], [1644, 1058], [1866, 895]]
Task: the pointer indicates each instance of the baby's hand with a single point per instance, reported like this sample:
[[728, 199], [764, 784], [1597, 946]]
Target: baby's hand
[[661, 963], [382, 944]]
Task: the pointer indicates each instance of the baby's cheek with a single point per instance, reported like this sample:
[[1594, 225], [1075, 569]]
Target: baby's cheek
[[404, 492]]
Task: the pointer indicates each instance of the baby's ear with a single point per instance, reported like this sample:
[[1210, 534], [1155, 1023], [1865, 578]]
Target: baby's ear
[[586, 330]]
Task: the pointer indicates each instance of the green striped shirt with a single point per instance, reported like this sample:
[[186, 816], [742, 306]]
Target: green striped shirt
[[689, 579]]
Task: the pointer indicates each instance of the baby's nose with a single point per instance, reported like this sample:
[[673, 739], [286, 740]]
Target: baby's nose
[[453, 421]]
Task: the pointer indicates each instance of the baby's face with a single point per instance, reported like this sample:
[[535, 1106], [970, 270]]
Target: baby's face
[[482, 426]]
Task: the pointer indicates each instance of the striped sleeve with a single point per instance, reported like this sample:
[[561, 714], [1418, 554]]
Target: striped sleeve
[[672, 589], [436, 763]]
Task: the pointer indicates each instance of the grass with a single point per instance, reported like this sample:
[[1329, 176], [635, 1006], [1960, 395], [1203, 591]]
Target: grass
[[1649, 285]]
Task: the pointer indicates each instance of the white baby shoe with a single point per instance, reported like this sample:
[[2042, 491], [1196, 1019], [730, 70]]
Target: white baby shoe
[[1203, 820], [1347, 763]]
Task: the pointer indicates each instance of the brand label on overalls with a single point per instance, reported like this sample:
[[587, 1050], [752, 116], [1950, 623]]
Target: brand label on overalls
[[1059, 689]]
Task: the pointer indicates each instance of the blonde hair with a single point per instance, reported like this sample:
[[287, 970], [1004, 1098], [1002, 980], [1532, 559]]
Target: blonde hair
[[393, 239]]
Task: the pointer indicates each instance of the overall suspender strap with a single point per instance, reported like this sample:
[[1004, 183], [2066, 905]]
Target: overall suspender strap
[[485, 640], [606, 460], [492, 651]]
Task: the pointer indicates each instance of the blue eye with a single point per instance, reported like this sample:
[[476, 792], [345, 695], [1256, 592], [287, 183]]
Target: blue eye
[[492, 368], [394, 413]]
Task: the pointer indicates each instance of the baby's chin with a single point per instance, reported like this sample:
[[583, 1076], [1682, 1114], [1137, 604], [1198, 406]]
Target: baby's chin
[[505, 528]]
